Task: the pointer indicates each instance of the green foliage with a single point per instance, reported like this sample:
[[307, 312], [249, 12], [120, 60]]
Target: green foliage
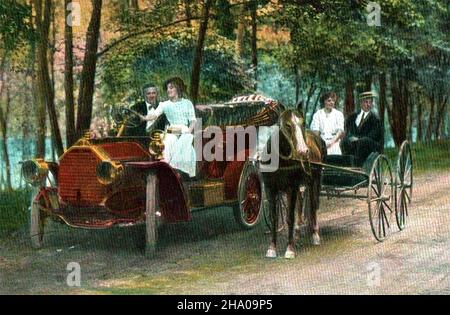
[[332, 39], [126, 72], [225, 22], [13, 210], [14, 23], [427, 157]]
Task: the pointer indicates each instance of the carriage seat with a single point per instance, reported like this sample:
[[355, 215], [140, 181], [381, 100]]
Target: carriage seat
[[340, 160]]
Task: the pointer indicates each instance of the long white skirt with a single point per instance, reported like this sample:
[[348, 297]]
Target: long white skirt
[[179, 152], [334, 149]]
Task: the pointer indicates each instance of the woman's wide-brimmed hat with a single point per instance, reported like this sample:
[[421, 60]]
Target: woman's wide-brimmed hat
[[368, 94]]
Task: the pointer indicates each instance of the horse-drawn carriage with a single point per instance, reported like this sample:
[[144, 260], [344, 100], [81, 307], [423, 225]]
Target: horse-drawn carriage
[[386, 193], [118, 181], [303, 162]]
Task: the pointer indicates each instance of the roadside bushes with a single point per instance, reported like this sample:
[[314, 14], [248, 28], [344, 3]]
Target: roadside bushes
[[13, 210]]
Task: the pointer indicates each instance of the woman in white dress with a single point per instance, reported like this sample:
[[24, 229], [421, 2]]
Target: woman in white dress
[[179, 151], [329, 123]]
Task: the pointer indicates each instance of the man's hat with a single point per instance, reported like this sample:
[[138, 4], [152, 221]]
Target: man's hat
[[366, 95]]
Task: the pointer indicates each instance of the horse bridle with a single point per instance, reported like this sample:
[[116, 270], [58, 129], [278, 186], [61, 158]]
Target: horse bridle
[[306, 167]]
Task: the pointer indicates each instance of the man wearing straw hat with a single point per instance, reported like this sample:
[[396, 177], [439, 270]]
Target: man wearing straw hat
[[363, 131]]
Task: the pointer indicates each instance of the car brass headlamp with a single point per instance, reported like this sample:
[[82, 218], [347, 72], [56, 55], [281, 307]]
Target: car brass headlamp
[[34, 171], [108, 172]]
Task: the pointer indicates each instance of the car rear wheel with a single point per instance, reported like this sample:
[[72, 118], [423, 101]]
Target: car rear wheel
[[250, 197]]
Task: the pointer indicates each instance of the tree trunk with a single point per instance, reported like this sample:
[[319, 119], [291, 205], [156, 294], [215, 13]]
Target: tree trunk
[[39, 103], [254, 41], [46, 95], [86, 94], [134, 5], [68, 80], [430, 119], [440, 116], [419, 120], [41, 124], [315, 106], [188, 12], [4, 130], [368, 82], [297, 84], [198, 57], [312, 89], [52, 48], [399, 109], [409, 111], [383, 98], [240, 33], [349, 104]]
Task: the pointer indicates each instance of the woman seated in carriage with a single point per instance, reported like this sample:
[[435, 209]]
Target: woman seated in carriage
[[179, 151], [328, 122]]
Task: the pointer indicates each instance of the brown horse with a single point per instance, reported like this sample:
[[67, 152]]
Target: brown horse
[[295, 152]]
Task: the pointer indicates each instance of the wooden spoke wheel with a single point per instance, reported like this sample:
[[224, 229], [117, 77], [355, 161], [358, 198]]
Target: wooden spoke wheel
[[281, 204], [380, 197], [38, 217], [37, 222], [404, 184], [250, 197], [151, 207]]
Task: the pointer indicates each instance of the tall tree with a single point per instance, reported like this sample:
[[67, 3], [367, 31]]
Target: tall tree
[[383, 97], [225, 23], [240, 32], [430, 119], [134, 5], [45, 89], [68, 77], [349, 103], [399, 110], [253, 6], [86, 93], [4, 115], [188, 12], [198, 56]]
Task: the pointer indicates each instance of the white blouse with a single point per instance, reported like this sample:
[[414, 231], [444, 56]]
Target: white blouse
[[329, 124]]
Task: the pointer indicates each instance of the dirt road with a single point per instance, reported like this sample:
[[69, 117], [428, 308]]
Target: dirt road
[[211, 255]]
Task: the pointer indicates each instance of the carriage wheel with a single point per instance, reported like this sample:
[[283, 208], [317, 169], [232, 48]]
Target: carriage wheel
[[38, 217], [37, 222], [151, 207], [380, 197], [281, 204], [250, 197], [404, 184]]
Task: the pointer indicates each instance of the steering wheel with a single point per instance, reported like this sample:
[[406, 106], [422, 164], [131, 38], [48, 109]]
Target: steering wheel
[[125, 116]]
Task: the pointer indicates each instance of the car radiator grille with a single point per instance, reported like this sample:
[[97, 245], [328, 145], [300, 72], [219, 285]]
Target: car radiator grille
[[78, 183]]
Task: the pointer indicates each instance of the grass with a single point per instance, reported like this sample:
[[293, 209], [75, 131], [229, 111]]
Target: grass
[[427, 157], [13, 210]]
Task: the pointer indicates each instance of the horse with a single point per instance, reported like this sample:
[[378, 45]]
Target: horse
[[295, 152]]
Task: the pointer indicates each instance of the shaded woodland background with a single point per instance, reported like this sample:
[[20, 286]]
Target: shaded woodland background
[[59, 69]]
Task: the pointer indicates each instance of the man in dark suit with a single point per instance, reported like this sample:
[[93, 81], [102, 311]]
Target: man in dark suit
[[363, 131], [144, 108]]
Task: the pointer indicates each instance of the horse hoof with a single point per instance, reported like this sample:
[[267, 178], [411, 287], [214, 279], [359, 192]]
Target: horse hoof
[[316, 240], [290, 254], [271, 253]]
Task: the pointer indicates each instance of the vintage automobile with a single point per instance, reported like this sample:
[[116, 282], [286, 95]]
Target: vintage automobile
[[118, 181]]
